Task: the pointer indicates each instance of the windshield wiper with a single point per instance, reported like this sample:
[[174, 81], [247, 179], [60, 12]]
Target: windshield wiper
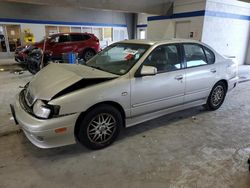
[[99, 68]]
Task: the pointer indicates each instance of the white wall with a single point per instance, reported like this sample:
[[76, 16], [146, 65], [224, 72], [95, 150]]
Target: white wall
[[227, 35], [160, 29], [142, 18], [248, 53]]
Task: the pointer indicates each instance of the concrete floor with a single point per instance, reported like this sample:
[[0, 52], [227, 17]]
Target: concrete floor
[[10, 80], [192, 148]]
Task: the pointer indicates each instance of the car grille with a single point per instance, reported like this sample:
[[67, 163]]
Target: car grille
[[29, 97], [23, 103]]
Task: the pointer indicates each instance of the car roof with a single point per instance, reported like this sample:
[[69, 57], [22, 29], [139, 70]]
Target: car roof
[[158, 42], [71, 33]]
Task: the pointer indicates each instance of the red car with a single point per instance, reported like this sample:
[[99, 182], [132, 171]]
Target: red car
[[85, 44]]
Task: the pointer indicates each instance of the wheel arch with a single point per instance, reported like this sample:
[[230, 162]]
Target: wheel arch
[[223, 81], [88, 48], [112, 103]]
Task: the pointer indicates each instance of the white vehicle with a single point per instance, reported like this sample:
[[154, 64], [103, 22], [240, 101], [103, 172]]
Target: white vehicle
[[129, 82]]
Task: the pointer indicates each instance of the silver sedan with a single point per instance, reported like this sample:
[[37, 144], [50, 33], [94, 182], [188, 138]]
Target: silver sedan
[[129, 82]]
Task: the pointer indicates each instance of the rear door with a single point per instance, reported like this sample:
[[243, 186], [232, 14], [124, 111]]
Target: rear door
[[200, 71], [79, 42], [61, 44]]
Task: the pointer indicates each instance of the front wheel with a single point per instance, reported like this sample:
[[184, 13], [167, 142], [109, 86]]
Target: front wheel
[[100, 127], [34, 63], [217, 96]]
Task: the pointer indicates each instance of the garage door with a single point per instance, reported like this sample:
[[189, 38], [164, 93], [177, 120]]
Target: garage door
[[182, 30]]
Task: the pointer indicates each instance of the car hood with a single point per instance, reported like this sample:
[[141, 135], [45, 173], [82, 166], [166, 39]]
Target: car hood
[[57, 77]]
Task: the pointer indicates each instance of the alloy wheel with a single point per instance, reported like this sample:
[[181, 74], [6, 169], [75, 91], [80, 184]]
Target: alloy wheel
[[88, 55], [101, 128], [217, 95]]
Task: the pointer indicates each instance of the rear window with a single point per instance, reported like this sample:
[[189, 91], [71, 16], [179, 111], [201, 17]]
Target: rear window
[[63, 38], [194, 55], [76, 37], [210, 56]]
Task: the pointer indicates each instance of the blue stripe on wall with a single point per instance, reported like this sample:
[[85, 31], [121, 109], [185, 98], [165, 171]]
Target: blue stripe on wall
[[201, 13], [60, 22], [179, 15], [142, 25], [226, 15]]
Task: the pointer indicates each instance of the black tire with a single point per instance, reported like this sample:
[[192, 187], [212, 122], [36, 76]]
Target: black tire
[[93, 133], [88, 54], [34, 61], [33, 66], [216, 96], [248, 161]]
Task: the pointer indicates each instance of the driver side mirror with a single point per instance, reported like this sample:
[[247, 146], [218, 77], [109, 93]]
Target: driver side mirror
[[148, 71]]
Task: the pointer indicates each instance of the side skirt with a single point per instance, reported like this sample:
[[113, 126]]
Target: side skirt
[[146, 117]]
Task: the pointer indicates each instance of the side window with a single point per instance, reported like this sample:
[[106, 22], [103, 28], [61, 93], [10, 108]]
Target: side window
[[194, 55], [54, 39], [86, 37], [80, 37], [210, 56], [63, 38], [75, 38], [164, 58]]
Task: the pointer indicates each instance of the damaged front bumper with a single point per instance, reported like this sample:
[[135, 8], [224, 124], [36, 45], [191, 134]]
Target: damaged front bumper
[[42, 132]]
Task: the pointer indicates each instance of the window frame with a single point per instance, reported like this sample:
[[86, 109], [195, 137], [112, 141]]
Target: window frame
[[202, 47], [210, 51], [180, 55]]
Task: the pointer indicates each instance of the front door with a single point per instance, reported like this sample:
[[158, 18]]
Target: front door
[[163, 90]]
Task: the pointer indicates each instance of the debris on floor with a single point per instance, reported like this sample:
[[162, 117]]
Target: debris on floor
[[193, 117], [18, 72]]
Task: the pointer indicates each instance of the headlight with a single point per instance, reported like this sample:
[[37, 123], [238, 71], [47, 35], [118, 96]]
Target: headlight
[[41, 110]]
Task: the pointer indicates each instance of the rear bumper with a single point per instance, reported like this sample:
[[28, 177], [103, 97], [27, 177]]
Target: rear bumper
[[232, 83], [42, 132]]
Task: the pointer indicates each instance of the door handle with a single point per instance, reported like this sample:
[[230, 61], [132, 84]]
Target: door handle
[[213, 70], [179, 77]]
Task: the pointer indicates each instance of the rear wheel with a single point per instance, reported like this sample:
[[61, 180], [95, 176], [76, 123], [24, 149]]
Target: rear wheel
[[88, 54], [217, 96], [100, 127]]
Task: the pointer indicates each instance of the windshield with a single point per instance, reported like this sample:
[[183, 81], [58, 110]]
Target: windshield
[[118, 58], [47, 38]]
